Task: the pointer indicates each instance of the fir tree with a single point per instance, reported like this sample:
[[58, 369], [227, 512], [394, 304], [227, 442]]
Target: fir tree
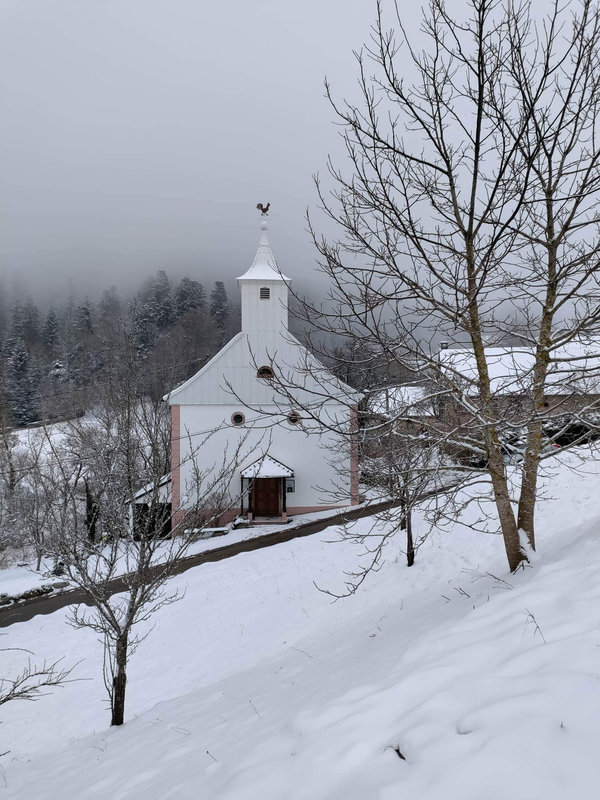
[[219, 308], [143, 328], [50, 332], [21, 381], [83, 319], [17, 323], [189, 294], [109, 308], [158, 302], [30, 323]]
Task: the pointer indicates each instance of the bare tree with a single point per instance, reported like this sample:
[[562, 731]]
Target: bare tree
[[469, 213], [112, 518], [33, 498], [407, 470], [32, 680]]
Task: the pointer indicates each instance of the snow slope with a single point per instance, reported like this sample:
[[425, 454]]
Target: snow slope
[[487, 684], [23, 576]]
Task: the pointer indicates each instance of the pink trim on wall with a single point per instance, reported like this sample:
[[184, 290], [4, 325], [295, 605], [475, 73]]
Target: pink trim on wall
[[177, 513], [354, 498], [228, 516]]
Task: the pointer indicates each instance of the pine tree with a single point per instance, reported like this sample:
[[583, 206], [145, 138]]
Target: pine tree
[[50, 332], [83, 319], [3, 309], [30, 323], [21, 382], [159, 302], [109, 308], [16, 324], [143, 327], [219, 308], [189, 294]]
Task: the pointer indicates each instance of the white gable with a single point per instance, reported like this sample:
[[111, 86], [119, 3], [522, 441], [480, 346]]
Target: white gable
[[232, 374]]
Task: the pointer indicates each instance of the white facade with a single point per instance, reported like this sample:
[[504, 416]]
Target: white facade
[[227, 417]]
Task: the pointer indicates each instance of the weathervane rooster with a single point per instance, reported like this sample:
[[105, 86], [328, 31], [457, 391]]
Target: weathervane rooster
[[264, 210]]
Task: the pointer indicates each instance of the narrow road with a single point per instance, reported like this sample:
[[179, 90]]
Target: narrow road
[[28, 609]]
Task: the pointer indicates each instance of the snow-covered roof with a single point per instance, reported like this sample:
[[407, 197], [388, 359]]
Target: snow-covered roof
[[267, 467], [150, 487], [413, 400], [206, 368], [509, 367], [264, 266], [574, 367]]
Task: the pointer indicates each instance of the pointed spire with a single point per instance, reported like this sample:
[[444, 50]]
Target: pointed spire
[[264, 266]]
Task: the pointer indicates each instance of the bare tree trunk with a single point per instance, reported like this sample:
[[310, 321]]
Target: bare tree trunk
[[531, 460], [506, 515], [529, 481], [410, 545], [119, 681], [496, 466], [91, 512]]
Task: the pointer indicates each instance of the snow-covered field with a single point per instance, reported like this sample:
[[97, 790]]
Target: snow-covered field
[[256, 687]]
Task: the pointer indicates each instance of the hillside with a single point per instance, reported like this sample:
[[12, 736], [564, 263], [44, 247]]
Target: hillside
[[255, 685]]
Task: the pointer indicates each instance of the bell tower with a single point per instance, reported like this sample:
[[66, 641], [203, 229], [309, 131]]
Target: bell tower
[[264, 291]]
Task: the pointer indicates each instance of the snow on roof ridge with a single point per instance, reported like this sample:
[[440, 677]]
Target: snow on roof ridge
[[267, 467], [264, 267]]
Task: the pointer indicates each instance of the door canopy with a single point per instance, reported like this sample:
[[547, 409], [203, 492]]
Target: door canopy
[[267, 467]]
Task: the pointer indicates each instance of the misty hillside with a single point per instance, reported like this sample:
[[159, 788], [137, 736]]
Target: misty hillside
[[55, 358]]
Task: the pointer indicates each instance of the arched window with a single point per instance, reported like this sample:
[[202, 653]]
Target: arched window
[[238, 418], [266, 373], [265, 293]]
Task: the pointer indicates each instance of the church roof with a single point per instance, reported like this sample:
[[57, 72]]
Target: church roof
[[264, 267]]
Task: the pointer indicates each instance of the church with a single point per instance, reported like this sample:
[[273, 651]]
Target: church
[[263, 431]]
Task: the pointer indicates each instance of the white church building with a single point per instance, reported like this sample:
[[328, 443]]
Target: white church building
[[262, 429]]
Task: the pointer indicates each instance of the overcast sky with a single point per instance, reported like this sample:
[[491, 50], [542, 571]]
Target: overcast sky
[[140, 134]]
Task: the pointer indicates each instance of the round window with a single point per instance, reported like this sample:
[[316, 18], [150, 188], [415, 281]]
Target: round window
[[265, 372], [238, 418], [293, 418]]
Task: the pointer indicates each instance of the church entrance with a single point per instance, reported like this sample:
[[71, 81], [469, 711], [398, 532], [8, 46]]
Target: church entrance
[[263, 487], [267, 497]]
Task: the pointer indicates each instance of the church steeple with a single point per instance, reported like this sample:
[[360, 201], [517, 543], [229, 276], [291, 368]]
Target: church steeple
[[264, 291]]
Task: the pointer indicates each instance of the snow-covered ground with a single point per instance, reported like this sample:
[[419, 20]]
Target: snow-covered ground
[[23, 576], [256, 687]]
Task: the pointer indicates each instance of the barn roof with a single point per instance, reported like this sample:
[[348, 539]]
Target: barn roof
[[574, 367], [413, 400]]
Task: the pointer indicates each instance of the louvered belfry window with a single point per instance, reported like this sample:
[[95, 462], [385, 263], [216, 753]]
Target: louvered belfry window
[[265, 293]]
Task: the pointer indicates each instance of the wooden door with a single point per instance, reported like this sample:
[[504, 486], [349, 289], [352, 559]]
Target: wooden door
[[266, 497]]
